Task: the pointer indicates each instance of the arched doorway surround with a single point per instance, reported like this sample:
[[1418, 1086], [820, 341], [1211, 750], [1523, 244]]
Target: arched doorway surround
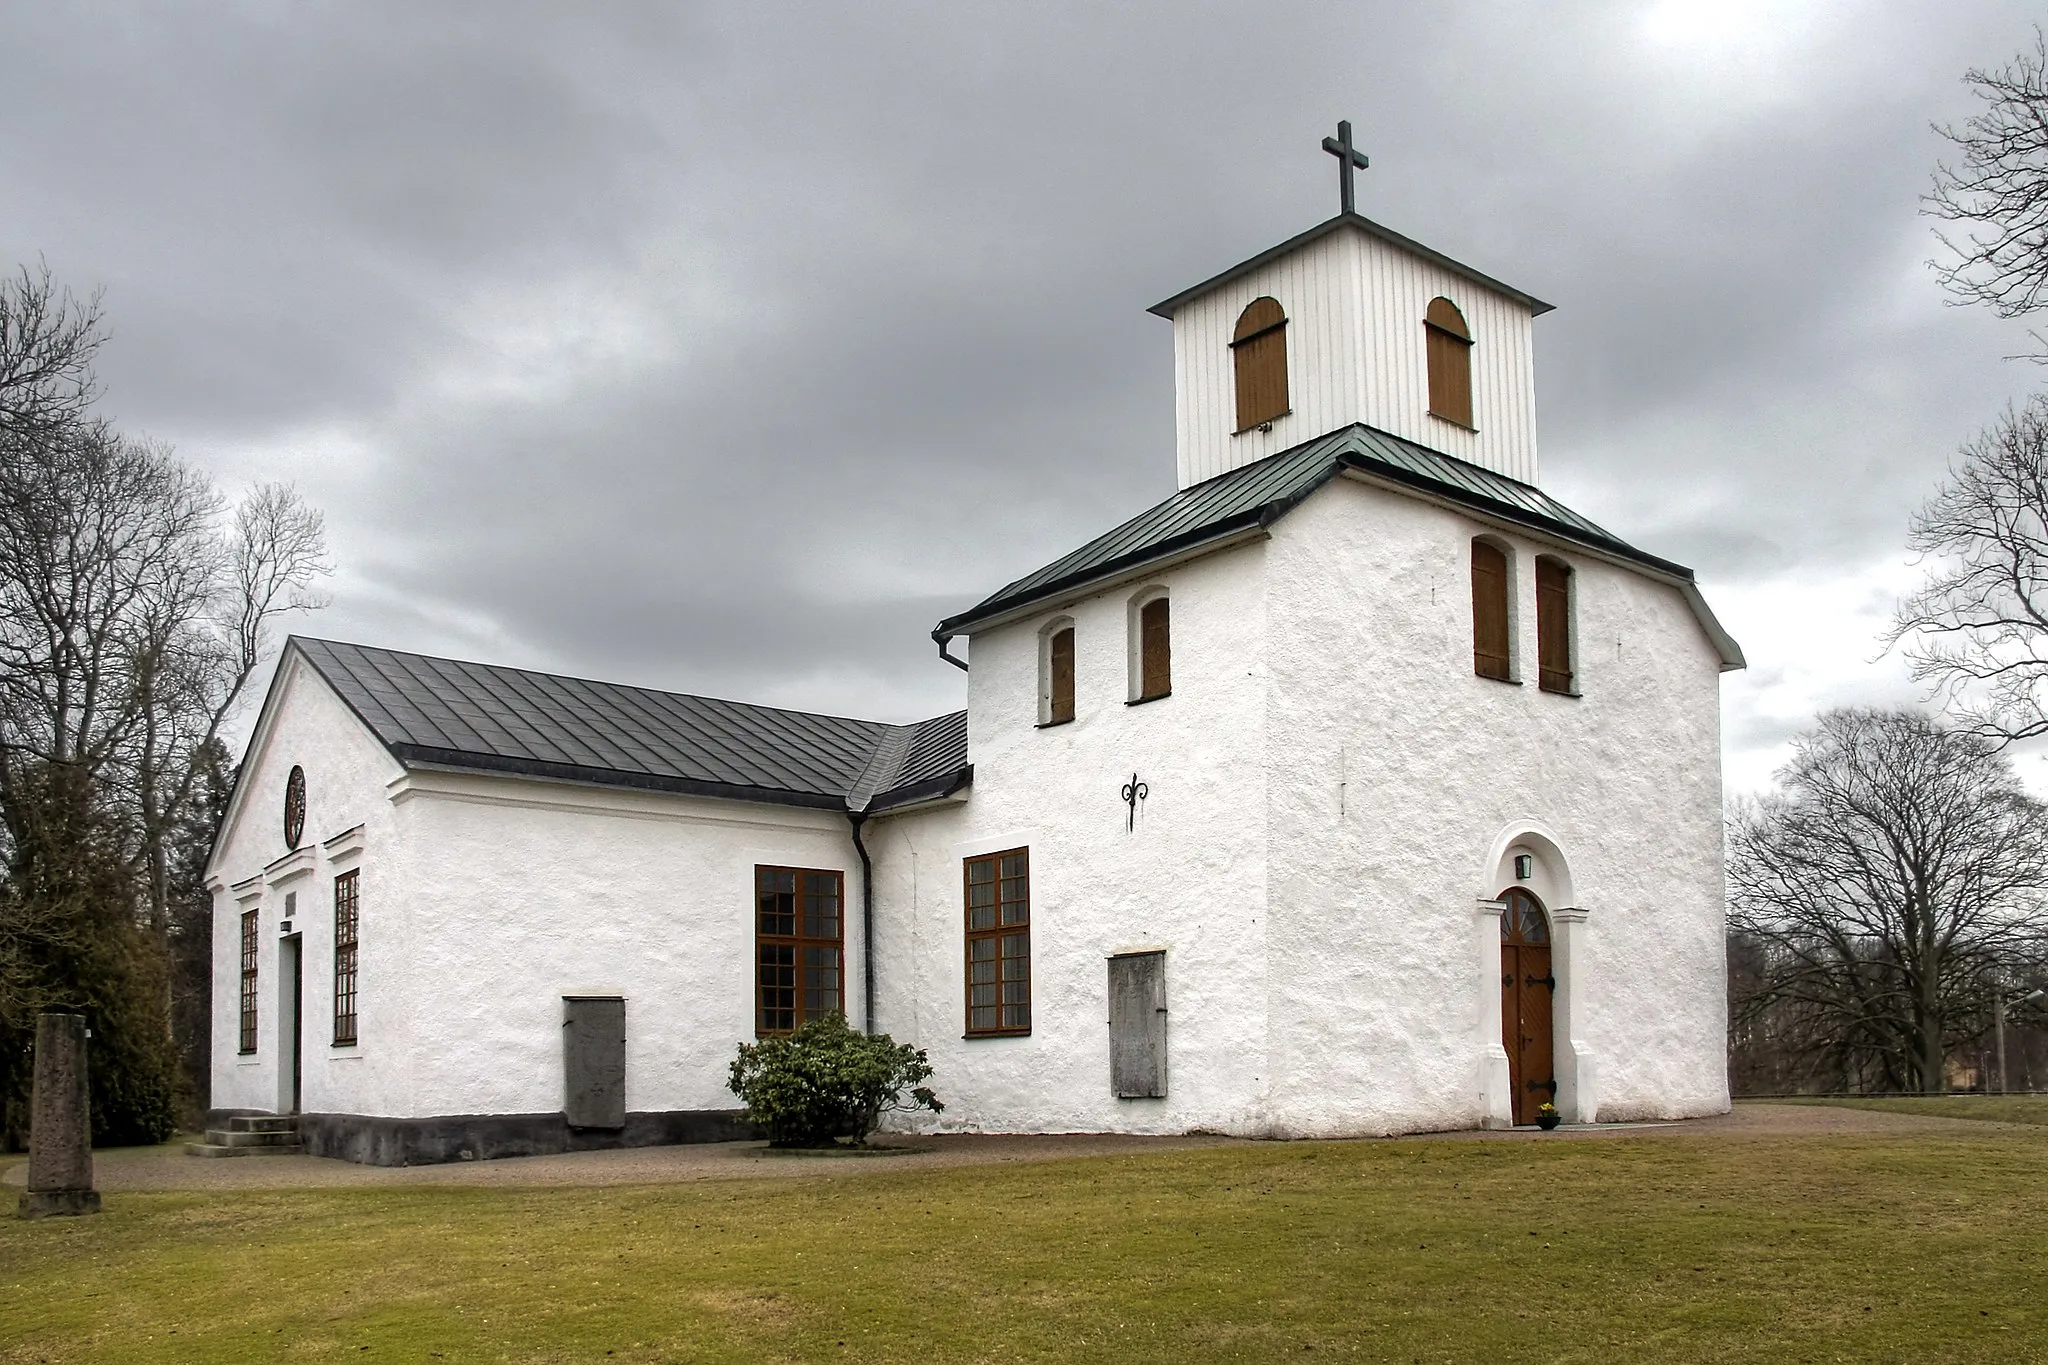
[[1527, 855], [1527, 986]]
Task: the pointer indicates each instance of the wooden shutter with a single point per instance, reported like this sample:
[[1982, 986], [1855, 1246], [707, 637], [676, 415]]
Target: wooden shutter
[[1259, 351], [1489, 611], [1450, 362], [594, 1061], [1137, 1025], [1553, 626], [1156, 646], [1060, 668]]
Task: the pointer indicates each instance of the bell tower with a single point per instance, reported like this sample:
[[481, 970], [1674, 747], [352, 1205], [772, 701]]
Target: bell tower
[[1352, 322]]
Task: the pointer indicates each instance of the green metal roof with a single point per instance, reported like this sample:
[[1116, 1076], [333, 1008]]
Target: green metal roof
[[1258, 494]]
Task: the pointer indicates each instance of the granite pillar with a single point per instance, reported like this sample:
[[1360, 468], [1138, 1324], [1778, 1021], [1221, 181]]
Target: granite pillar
[[60, 1123]]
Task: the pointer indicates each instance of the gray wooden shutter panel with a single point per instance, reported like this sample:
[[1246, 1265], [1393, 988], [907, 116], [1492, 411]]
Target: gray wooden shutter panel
[[1137, 1025], [594, 1061]]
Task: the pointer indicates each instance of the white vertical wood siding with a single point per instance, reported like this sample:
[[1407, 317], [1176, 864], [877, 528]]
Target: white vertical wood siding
[[1355, 353]]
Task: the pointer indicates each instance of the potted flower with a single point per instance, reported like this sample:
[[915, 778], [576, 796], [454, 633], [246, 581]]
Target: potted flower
[[1546, 1116]]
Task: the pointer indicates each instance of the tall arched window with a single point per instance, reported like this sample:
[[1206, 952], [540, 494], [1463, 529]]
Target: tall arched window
[[1492, 638], [1259, 349], [1151, 647], [1056, 704], [1554, 625], [1450, 362]]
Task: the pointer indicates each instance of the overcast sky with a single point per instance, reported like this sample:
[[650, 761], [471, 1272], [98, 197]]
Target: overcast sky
[[726, 348]]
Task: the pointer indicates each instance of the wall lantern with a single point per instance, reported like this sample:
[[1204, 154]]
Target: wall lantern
[[1524, 866]]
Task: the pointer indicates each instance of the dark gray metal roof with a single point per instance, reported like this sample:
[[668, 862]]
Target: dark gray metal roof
[[443, 713], [1258, 494], [1167, 308]]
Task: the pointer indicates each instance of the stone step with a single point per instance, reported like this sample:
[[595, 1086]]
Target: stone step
[[222, 1149], [233, 1138], [263, 1123]]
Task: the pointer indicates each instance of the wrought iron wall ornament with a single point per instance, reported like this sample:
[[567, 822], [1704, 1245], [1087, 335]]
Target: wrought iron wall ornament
[[1134, 791], [294, 807]]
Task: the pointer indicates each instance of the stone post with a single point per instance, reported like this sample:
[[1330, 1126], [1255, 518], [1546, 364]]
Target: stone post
[[1578, 1079], [1495, 1104], [60, 1124]]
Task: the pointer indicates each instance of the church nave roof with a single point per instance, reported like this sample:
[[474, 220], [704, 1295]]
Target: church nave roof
[[451, 714]]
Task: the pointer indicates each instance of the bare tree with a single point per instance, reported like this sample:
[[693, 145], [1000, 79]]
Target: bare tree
[[1996, 195], [47, 342], [135, 607], [131, 617], [1893, 881], [1977, 629]]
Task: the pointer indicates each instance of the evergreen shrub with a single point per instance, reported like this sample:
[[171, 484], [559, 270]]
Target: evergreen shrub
[[826, 1082]]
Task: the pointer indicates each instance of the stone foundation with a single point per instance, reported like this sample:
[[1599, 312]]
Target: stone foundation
[[376, 1141]]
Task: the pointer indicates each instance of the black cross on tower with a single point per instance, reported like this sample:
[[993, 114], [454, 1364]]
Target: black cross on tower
[[1347, 158]]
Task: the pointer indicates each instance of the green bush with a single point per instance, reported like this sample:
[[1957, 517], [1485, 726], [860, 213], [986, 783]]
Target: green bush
[[825, 1082]]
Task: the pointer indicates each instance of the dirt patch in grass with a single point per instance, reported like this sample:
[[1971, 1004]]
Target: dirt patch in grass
[[1890, 1244]]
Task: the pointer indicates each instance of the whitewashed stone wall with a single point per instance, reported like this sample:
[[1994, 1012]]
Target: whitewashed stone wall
[[485, 900], [1333, 791], [1190, 878], [347, 773], [1401, 784]]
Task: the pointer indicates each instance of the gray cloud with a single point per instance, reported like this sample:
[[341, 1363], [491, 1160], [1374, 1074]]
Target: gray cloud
[[725, 348]]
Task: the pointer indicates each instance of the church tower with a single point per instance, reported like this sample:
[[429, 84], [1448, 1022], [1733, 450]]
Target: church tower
[[1352, 322]]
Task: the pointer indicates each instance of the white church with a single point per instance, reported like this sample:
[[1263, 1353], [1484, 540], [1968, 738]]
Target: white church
[[1360, 787]]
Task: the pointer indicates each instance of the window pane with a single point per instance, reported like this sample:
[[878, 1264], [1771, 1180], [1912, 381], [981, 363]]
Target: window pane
[[981, 971], [981, 870], [1016, 1016], [1014, 865], [982, 1018]]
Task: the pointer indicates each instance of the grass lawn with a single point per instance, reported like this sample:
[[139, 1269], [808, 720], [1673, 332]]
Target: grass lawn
[[1996, 1108], [1684, 1248]]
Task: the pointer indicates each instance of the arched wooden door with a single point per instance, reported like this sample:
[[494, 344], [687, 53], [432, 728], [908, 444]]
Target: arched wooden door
[[1526, 987]]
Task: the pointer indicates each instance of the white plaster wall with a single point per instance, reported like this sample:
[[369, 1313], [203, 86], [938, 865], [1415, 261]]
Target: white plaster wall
[[484, 900], [538, 890], [347, 770], [1395, 773], [1355, 353], [1190, 878]]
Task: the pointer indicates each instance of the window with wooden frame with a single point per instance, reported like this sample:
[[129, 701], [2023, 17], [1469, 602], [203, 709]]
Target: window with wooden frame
[[1492, 601], [1258, 351], [1450, 362], [1151, 648], [1554, 626], [250, 920], [1056, 702], [345, 907], [799, 947], [998, 943]]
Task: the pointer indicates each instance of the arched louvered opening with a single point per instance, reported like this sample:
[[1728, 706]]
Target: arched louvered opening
[[1450, 362], [1258, 349]]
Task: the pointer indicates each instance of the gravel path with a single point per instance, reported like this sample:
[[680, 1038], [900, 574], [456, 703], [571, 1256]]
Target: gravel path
[[169, 1168]]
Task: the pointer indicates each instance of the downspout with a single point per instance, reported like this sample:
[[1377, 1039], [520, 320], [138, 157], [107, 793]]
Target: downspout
[[867, 919], [942, 641]]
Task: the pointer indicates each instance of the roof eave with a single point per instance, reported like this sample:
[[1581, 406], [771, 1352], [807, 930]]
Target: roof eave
[[496, 765], [1168, 307], [1245, 526], [1505, 512], [931, 790]]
